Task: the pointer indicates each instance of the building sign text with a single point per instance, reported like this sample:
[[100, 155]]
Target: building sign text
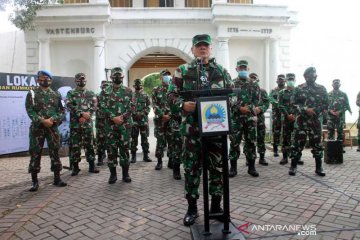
[[68, 31]]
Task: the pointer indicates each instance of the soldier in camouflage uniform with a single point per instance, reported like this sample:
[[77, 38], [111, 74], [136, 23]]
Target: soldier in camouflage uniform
[[276, 113], [243, 120], [338, 105], [141, 102], [358, 122], [288, 117], [261, 128], [175, 144], [81, 103], [46, 111], [310, 100], [201, 73], [162, 116], [116, 100], [100, 125]]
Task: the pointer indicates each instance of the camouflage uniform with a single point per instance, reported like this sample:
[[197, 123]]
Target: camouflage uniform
[[45, 104], [358, 121], [116, 100], [261, 129], [307, 96], [81, 134], [276, 116], [186, 78], [338, 101], [162, 129], [141, 102]]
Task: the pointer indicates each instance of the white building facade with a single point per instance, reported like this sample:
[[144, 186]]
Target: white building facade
[[92, 36]]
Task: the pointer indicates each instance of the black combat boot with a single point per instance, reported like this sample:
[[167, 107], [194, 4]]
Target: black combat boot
[[146, 157], [75, 169], [125, 174], [293, 167], [284, 160], [216, 208], [319, 170], [358, 149], [170, 163], [300, 162], [276, 154], [113, 176], [192, 212], [159, 164], [133, 157], [176, 171], [233, 169], [92, 168], [35, 182], [57, 180], [251, 168], [101, 157], [262, 160]]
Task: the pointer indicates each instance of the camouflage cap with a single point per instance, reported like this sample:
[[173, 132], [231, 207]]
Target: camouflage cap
[[309, 70], [201, 38], [137, 82], [165, 72], [281, 76], [116, 70], [336, 81], [290, 76], [242, 63], [44, 73], [80, 75]]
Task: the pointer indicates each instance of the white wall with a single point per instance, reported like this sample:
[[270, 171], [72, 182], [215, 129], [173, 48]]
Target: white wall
[[12, 52]]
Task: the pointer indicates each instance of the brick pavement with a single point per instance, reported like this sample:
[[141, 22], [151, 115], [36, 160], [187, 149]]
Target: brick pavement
[[152, 205]]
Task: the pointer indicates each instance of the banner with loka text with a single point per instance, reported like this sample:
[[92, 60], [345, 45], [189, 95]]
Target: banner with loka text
[[14, 121]]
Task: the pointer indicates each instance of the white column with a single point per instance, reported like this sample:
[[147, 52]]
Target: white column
[[44, 54], [274, 61], [98, 1], [267, 65], [218, 1], [99, 63], [223, 52], [138, 3], [179, 3]]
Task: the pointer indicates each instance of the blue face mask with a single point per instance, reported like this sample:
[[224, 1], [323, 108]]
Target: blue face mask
[[243, 74], [167, 79], [291, 83]]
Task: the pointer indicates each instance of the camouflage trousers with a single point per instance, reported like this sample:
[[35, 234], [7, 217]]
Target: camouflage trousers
[[162, 134], [335, 124], [245, 127], [37, 136], [100, 137], [306, 127], [276, 128], [288, 128], [144, 133], [81, 137], [118, 142], [260, 134], [175, 144], [192, 162]]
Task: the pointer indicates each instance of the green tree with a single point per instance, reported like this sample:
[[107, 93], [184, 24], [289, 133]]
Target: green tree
[[150, 82]]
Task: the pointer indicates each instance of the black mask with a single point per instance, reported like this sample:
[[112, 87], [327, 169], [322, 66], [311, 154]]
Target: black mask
[[81, 83], [44, 83], [281, 84], [117, 80], [310, 80], [137, 87]]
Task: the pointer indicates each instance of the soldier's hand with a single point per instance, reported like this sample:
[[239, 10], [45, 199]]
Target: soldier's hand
[[189, 107], [82, 120], [258, 110], [291, 117], [310, 112], [244, 110], [86, 115], [47, 122], [165, 118], [118, 120]]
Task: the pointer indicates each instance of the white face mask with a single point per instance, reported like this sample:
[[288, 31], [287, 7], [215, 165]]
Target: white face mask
[[167, 79]]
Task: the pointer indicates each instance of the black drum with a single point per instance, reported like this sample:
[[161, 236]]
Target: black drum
[[333, 152]]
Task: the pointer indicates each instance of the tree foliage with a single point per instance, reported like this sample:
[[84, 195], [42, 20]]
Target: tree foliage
[[150, 82]]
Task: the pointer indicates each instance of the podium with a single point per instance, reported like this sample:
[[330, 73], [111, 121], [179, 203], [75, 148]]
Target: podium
[[214, 121]]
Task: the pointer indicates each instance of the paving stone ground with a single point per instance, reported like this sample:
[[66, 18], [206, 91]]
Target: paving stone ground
[[152, 206]]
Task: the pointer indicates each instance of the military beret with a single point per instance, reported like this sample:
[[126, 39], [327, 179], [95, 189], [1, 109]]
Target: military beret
[[281, 76], [79, 75], [336, 81], [137, 82], [242, 63], [290, 76], [116, 70], [44, 72], [165, 72], [201, 38], [309, 70]]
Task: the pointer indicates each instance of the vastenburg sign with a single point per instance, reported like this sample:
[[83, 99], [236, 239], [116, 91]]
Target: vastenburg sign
[[70, 31]]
